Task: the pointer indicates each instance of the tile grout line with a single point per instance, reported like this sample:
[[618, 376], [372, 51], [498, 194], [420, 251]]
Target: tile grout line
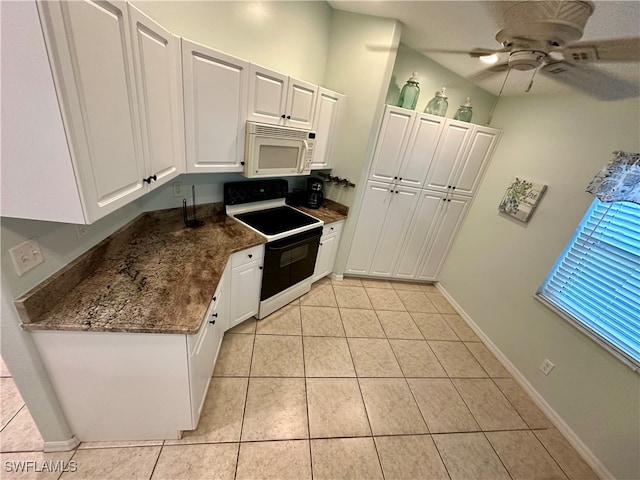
[[246, 396], [13, 416], [155, 464], [306, 394], [364, 404]]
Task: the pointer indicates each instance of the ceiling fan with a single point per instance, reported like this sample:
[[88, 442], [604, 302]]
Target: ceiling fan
[[541, 36]]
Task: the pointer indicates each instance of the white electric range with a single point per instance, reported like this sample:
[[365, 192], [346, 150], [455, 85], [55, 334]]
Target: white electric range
[[292, 237]]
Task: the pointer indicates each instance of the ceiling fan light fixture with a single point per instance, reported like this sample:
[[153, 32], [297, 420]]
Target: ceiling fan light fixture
[[489, 59]]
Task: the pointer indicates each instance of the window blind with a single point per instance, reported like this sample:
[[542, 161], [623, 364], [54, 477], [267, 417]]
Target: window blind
[[596, 279]]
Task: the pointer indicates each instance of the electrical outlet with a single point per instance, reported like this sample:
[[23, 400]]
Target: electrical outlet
[[81, 231], [26, 256], [177, 189], [546, 366]]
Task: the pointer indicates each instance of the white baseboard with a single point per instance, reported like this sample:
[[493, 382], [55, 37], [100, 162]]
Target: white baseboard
[[538, 399], [61, 446], [335, 276]]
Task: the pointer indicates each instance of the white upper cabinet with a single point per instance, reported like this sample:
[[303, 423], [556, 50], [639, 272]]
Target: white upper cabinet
[[423, 139], [392, 139], [156, 54], [324, 124], [90, 47], [277, 99], [406, 145], [449, 154], [113, 75], [480, 148], [215, 92]]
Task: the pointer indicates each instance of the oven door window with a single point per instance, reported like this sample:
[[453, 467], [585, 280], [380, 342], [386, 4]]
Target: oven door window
[[294, 255]]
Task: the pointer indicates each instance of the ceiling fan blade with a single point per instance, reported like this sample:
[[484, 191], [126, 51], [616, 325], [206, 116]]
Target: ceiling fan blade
[[488, 72], [613, 50], [476, 52], [591, 80]]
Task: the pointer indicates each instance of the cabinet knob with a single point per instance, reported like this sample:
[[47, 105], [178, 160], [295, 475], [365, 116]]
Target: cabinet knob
[[288, 117], [331, 228], [212, 322], [260, 268], [449, 186], [453, 188], [400, 179], [250, 255], [283, 116], [214, 298], [449, 200], [241, 163], [395, 178], [396, 191], [444, 199], [155, 177], [320, 244], [214, 315], [147, 180]]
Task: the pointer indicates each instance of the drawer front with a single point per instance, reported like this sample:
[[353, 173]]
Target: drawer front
[[245, 256], [332, 228]]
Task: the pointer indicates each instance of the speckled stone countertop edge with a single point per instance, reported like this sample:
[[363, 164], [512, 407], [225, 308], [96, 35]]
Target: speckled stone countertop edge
[[35, 306]]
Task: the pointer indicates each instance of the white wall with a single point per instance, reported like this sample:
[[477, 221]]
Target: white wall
[[432, 77], [290, 37], [498, 263]]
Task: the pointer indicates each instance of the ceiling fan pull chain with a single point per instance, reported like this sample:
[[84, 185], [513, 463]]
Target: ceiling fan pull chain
[[531, 82], [493, 108]]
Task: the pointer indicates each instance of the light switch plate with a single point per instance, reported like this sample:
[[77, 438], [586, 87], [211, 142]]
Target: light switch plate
[[26, 256]]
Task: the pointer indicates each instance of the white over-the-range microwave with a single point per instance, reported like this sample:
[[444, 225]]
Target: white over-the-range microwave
[[273, 151]]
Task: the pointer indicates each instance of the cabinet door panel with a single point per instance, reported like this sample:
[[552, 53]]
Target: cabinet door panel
[[245, 292], [391, 143], [368, 230], [449, 152], [301, 104], [481, 146], [419, 153], [157, 60], [403, 203], [267, 96], [444, 237], [422, 228], [324, 124], [215, 87], [326, 256], [101, 66]]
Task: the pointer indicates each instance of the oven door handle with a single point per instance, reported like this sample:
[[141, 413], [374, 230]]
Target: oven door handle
[[293, 245], [303, 159]]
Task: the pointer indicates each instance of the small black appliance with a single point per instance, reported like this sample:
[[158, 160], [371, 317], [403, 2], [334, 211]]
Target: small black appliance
[[314, 192]]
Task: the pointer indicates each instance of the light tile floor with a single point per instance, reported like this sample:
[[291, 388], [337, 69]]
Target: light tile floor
[[357, 379]]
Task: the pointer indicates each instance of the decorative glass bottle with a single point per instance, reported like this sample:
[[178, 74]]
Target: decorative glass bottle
[[438, 105], [409, 93], [464, 113]]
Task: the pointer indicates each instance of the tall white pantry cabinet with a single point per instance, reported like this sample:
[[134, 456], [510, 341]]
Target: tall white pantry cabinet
[[424, 174]]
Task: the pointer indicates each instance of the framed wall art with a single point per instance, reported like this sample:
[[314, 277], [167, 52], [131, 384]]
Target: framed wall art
[[521, 199]]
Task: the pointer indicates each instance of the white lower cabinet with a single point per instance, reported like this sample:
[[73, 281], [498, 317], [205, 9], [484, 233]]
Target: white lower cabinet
[[147, 386], [328, 249], [204, 347], [246, 280]]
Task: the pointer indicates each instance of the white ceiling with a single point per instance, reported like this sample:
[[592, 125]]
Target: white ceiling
[[462, 25]]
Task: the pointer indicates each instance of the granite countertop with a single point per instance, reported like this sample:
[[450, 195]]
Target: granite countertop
[[329, 212], [151, 276]]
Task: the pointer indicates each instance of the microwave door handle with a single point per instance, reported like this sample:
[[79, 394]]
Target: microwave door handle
[[303, 160]]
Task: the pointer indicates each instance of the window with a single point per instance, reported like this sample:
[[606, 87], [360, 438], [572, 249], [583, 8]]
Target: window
[[596, 280]]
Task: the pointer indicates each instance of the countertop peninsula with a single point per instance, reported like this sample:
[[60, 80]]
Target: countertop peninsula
[[153, 275]]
